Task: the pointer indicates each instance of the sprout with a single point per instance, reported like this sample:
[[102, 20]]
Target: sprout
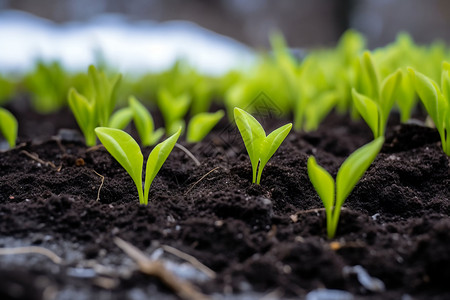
[[333, 195], [375, 103], [8, 127], [260, 147], [173, 109], [144, 123], [96, 108], [436, 101], [201, 124], [127, 152]]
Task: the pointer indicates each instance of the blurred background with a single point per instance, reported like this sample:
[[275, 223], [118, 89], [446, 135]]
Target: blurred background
[[304, 23]]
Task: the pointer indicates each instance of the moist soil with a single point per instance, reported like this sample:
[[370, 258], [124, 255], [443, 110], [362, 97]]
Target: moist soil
[[265, 240]]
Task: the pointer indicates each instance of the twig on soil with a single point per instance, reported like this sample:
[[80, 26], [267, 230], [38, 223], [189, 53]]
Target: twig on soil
[[94, 148], [190, 259], [195, 183], [101, 184], [188, 153], [32, 250], [183, 289], [35, 157]]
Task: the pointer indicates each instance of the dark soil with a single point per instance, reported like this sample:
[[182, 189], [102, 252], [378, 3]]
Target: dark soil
[[268, 240]]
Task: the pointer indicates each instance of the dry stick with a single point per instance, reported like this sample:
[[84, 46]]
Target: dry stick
[[183, 289], [101, 184], [36, 158], [32, 250], [94, 148], [188, 153], [190, 259], [195, 183]]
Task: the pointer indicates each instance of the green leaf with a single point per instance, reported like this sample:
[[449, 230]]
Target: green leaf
[[388, 91], [316, 111], [121, 118], [156, 159], [429, 93], [251, 132], [85, 115], [201, 124], [370, 72], [144, 123], [8, 127], [369, 110], [126, 151], [269, 145], [323, 183], [406, 97], [354, 168], [259, 147]]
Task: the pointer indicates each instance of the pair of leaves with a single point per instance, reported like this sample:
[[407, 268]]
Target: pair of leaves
[[128, 153], [333, 194], [260, 147], [376, 101], [436, 102], [8, 127]]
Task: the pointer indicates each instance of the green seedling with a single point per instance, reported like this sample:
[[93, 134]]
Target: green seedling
[[260, 147], [144, 123], [436, 101], [317, 110], [8, 127], [376, 101], [201, 124], [95, 107], [334, 194], [127, 152], [173, 109], [406, 97]]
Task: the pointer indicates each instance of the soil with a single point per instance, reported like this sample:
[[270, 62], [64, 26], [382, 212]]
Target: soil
[[265, 240]]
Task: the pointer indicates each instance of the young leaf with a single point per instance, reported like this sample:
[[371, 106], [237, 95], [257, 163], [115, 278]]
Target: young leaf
[[260, 147], [201, 124], [8, 127], [144, 123], [85, 115], [388, 92], [157, 158], [369, 110], [126, 151], [323, 183], [121, 118]]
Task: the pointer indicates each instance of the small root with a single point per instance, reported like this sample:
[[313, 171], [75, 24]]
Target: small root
[[32, 250], [35, 157], [94, 148], [198, 181], [188, 153], [101, 184]]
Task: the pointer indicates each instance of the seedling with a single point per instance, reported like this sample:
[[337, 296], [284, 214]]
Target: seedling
[[8, 127], [127, 152], [96, 106], [376, 101], [334, 194], [144, 123], [260, 147], [436, 101], [173, 109], [201, 124]]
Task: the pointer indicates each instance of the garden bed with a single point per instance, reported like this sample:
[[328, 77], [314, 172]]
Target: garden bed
[[265, 240]]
